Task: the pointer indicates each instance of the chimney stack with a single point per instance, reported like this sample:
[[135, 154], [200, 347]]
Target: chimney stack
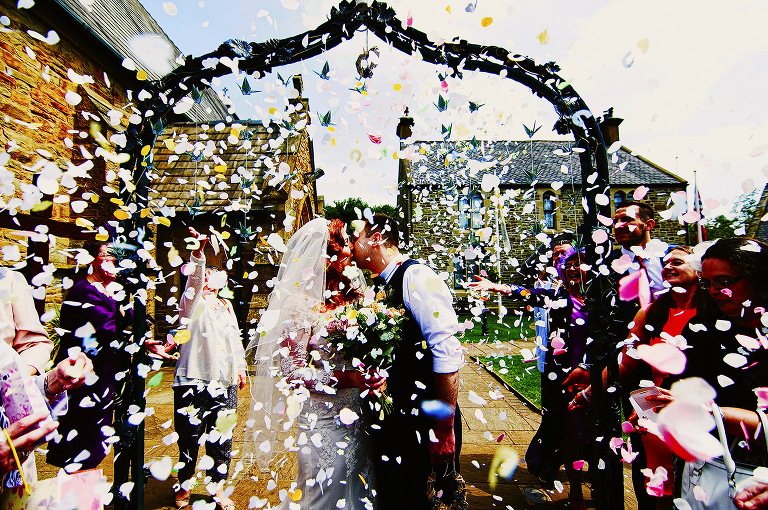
[[609, 126], [404, 126]]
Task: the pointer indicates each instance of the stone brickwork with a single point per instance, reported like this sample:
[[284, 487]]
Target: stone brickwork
[[437, 238]]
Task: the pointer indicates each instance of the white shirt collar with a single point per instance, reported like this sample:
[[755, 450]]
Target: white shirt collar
[[390, 269]]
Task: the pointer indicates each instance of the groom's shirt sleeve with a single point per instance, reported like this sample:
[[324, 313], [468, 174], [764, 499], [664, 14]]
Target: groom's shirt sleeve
[[431, 304]]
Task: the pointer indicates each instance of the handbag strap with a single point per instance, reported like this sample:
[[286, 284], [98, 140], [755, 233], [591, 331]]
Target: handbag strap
[[730, 465], [764, 423]]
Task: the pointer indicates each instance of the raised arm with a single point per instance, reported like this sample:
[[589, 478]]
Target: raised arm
[[196, 280]]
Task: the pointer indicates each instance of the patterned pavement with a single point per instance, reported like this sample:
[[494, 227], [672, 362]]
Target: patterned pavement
[[506, 421]]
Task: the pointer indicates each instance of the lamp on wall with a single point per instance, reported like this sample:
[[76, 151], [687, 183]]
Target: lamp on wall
[[315, 175]]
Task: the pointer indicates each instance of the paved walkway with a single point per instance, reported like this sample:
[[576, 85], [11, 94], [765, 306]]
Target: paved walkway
[[505, 421]]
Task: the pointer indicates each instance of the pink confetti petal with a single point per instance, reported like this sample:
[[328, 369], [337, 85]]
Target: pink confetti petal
[[627, 427], [616, 443], [558, 343], [628, 455], [621, 264], [700, 493], [307, 273], [374, 138], [663, 357], [577, 465], [762, 397], [640, 192]]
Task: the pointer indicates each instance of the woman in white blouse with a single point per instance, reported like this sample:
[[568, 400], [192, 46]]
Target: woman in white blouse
[[210, 369]]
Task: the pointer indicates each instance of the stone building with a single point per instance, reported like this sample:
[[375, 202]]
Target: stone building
[[241, 181], [68, 81], [452, 215]]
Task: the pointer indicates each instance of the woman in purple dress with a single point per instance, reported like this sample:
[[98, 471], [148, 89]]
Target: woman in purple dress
[[93, 320], [568, 431]]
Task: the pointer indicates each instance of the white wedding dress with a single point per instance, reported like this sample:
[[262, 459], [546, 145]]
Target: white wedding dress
[[334, 459], [293, 404]]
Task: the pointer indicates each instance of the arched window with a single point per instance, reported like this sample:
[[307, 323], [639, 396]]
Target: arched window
[[463, 208], [470, 211], [550, 207], [618, 198], [476, 205]]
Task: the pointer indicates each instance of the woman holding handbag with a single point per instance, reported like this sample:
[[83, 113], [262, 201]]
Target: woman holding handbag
[[729, 351]]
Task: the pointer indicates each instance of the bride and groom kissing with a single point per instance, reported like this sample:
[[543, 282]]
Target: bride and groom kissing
[[309, 398]]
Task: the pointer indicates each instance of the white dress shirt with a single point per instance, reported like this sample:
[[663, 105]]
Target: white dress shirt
[[431, 304]]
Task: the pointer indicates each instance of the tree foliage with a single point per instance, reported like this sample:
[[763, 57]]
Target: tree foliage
[[727, 225], [352, 209]]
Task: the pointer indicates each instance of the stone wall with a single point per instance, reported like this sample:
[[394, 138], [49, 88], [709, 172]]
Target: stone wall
[[436, 236]]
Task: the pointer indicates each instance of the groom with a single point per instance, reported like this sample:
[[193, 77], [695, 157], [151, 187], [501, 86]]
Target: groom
[[411, 444]]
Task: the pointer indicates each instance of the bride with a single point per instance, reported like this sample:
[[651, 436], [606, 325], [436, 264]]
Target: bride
[[299, 381]]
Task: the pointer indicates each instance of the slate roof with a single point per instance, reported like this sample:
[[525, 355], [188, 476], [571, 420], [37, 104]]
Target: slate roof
[[217, 159], [116, 22], [553, 161]]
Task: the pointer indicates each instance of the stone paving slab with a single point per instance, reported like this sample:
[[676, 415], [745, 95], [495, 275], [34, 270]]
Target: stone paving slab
[[482, 438]]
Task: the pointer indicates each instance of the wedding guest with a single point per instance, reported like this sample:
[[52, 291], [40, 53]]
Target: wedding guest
[[20, 325], [22, 437], [733, 273], [662, 321], [209, 371], [93, 321], [569, 430]]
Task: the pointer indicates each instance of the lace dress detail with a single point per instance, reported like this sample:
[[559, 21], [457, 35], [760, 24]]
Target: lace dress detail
[[335, 459]]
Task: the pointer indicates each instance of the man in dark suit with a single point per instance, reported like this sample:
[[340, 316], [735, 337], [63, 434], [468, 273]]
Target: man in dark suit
[[410, 444]]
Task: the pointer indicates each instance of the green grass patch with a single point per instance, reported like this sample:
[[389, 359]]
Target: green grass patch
[[523, 377], [511, 327]]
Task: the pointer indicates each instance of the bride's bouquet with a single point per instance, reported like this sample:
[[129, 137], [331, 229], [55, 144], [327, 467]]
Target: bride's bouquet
[[366, 334]]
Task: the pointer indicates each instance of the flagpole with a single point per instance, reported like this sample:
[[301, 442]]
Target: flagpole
[[697, 208]]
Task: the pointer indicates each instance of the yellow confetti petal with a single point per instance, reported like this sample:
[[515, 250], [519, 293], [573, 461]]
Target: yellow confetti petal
[[220, 168], [102, 237], [122, 215], [163, 221], [397, 87], [272, 110], [82, 222], [181, 337], [295, 495], [333, 142], [643, 45], [448, 9], [235, 133], [116, 201], [544, 37], [145, 150], [225, 424], [436, 314], [225, 235], [145, 212], [486, 21], [331, 129], [363, 479], [169, 144], [141, 75]]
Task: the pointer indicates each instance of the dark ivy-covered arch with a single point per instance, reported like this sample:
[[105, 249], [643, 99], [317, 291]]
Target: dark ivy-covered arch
[[459, 56]]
